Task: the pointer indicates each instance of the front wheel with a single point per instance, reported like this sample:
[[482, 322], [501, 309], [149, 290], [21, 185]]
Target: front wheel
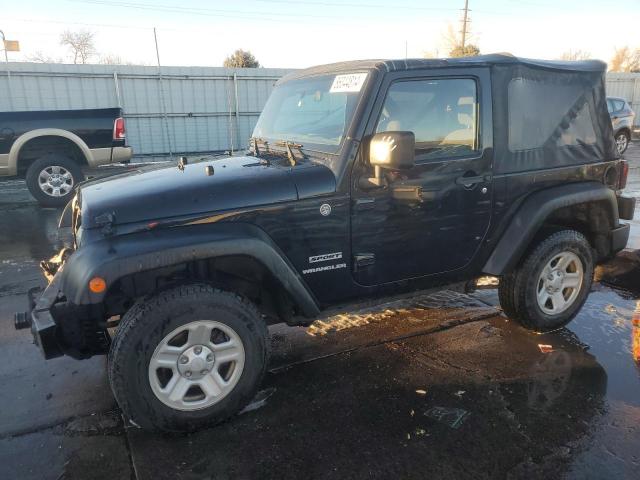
[[188, 357], [552, 283]]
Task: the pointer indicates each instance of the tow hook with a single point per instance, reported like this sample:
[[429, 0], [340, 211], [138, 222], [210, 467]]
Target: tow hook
[[22, 320]]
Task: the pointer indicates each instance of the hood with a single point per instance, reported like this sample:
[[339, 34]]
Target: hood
[[237, 182]]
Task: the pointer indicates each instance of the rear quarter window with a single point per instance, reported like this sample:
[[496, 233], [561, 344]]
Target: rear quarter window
[[541, 114]]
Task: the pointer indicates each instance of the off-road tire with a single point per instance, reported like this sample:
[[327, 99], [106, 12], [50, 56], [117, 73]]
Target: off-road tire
[[505, 294], [149, 321], [517, 290], [49, 160]]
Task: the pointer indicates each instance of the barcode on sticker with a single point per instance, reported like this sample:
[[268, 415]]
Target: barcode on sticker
[[351, 82]]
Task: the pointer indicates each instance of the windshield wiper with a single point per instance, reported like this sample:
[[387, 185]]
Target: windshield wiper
[[289, 145], [254, 141]]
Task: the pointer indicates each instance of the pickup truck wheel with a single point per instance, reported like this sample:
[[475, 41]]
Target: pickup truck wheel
[[187, 357], [51, 179], [551, 284]]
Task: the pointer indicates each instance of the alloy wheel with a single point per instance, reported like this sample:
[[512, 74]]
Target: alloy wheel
[[196, 365], [621, 143], [559, 283], [55, 181]]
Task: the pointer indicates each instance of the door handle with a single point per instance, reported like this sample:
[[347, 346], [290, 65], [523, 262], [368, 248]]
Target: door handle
[[469, 181]]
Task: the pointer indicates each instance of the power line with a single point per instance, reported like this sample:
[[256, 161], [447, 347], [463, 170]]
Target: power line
[[261, 14], [217, 12], [208, 12], [357, 5], [69, 22]]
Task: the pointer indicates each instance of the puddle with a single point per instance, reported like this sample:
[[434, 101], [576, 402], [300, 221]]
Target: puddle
[[606, 325]]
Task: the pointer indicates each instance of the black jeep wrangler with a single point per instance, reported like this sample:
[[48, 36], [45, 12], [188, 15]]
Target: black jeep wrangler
[[362, 180]]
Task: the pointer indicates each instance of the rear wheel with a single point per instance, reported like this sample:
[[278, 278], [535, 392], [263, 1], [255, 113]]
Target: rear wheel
[[622, 142], [52, 178], [188, 357], [552, 283]]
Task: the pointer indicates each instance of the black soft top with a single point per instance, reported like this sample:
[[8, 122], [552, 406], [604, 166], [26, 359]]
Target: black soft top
[[502, 59], [546, 113]]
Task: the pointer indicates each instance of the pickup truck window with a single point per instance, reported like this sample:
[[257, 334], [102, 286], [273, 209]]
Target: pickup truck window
[[311, 111], [442, 114]]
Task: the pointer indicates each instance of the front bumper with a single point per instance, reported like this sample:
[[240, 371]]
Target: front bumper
[[43, 326], [58, 326]]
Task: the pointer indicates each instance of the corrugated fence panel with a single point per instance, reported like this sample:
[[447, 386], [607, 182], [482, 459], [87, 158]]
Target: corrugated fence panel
[[186, 110], [627, 86], [189, 110]]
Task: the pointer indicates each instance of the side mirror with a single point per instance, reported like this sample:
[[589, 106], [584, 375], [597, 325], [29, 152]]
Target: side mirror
[[391, 150]]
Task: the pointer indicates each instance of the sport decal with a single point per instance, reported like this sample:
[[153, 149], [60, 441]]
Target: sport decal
[[326, 257]]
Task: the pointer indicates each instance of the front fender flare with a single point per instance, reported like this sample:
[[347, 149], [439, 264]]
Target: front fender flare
[[531, 215], [116, 257]]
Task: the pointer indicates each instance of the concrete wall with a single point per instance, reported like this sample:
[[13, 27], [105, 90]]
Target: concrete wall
[[187, 110]]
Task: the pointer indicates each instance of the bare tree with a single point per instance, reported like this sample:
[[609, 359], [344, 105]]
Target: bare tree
[[453, 44], [469, 50], [575, 55], [40, 57], [241, 59], [625, 60], [80, 43], [113, 59]]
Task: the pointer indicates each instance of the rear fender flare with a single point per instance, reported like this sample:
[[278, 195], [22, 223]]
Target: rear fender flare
[[14, 153], [532, 214], [116, 257]]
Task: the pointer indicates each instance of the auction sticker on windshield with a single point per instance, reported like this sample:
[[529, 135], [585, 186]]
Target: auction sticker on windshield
[[351, 82]]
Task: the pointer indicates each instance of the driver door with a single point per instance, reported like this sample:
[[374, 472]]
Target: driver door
[[432, 218]]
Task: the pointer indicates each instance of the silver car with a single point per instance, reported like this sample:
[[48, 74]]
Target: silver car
[[622, 117]]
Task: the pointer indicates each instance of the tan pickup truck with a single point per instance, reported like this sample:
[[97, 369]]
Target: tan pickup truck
[[50, 148]]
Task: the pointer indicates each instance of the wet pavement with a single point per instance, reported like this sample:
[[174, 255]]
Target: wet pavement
[[433, 386]]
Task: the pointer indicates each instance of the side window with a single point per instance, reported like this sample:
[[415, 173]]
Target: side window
[[609, 105], [442, 114], [618, 105]]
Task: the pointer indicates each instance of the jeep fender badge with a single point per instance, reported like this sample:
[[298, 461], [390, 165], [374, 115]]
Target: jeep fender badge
[[325, 209]]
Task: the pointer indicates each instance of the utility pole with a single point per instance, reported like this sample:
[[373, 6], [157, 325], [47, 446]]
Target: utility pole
[[464, 23], [163, 103], [6, 61]]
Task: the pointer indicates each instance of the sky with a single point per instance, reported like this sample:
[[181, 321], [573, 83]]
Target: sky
[[296, 34]]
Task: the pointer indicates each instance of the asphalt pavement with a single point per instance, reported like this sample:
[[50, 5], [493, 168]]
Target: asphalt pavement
[[440, 385]]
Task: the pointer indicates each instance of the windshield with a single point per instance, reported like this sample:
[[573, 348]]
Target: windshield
[[314, 112]]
